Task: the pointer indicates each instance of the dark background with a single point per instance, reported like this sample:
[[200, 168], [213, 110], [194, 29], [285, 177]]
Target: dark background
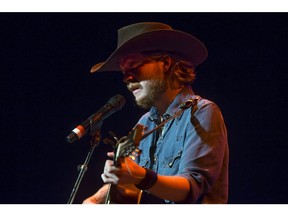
[[47, 90]]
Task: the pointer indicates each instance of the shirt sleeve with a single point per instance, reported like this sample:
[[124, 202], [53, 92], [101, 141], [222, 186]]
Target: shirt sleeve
[[204, 150]]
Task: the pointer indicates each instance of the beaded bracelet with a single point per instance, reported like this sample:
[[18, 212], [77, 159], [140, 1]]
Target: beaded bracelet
[[148, 181]]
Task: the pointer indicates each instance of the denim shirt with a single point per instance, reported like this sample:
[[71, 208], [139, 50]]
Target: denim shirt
[[193, 145]]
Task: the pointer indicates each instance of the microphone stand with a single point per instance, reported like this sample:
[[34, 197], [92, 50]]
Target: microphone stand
[[95, 140]]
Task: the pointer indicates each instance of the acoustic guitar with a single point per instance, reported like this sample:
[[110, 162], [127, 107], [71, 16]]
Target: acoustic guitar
[[125, 147]]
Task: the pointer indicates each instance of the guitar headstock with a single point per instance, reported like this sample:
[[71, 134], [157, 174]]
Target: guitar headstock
[[126, 145]]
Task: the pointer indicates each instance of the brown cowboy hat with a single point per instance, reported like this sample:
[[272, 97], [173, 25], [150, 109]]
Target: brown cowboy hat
[[153, 36]]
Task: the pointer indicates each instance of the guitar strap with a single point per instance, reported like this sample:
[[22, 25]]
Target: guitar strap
[[194, 100]]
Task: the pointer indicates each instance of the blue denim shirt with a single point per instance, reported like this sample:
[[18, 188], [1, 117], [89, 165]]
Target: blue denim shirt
[[193, 145]]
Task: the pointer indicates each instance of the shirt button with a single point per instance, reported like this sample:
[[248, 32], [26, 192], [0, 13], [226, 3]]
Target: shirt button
[[155, 158]]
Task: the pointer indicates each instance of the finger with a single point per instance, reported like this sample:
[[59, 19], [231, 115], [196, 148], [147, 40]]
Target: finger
[[108, 164], [109, 178], [112, 171], [110, 154]]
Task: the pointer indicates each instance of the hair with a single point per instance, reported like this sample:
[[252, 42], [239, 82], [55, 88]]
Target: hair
[[181, 70]]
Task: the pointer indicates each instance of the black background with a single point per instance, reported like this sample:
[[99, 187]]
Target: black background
[[47, 90]]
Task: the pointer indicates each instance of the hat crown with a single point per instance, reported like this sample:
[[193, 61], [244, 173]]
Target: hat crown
[[128, 32], [153, 36]]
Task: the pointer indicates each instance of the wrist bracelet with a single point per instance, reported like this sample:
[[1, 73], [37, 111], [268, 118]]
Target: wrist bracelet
[[148, 181]]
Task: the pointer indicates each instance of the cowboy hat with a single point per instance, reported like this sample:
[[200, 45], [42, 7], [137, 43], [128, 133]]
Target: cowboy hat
[[153, 36]]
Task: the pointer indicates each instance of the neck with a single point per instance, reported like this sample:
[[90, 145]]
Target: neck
[[165, 100]]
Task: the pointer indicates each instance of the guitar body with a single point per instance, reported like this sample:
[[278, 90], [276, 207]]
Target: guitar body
[[125, 193]]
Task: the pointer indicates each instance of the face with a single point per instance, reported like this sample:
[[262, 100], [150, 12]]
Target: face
[[144, 77]]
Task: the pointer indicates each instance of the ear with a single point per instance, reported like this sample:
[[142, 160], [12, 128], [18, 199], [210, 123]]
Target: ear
[[167, 63]]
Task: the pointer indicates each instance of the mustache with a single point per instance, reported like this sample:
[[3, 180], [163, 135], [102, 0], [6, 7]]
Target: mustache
[[133, 86]]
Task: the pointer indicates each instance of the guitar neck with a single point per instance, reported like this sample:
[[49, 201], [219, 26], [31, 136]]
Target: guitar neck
[[128, 193]]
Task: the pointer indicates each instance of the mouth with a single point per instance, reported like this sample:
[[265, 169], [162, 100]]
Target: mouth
[[135, 88], [136, 91]]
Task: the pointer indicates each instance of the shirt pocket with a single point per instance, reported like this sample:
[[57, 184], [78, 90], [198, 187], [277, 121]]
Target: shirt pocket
[[170, 163]]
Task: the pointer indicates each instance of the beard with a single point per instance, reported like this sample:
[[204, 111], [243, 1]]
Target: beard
[[153, 90]]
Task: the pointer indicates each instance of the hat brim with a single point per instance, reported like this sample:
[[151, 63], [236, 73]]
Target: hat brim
[[184, 45]]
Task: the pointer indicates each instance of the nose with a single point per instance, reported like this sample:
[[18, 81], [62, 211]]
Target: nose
[[128, 77]]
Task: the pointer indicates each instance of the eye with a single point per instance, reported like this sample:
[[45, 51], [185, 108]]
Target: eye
[[133, 65]]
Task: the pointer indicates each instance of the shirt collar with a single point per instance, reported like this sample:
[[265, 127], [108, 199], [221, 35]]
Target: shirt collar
[[181, 97]]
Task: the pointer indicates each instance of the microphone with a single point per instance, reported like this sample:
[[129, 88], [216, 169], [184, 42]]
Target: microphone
[[114, 104]]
